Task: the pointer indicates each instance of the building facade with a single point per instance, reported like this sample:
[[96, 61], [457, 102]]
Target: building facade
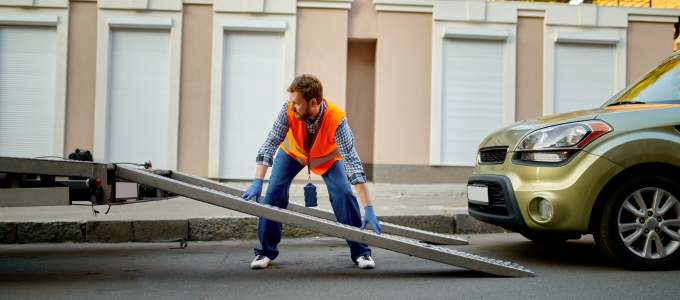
[[195, 85]]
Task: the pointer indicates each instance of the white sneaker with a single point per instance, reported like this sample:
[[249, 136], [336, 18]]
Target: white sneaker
[[260, 262], [365, 262]]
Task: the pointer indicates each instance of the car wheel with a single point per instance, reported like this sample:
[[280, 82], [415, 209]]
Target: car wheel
[[548, 238], [640, 224]]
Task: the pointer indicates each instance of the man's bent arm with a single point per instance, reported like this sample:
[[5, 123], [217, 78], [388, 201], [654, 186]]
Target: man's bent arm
[[261, 171], [355, 171], [265, 155], [362, 191]]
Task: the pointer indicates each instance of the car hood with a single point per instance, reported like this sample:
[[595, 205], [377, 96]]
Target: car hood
[[511, 135]]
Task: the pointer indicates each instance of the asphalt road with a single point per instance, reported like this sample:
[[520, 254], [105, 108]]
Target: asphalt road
[[315, 269]]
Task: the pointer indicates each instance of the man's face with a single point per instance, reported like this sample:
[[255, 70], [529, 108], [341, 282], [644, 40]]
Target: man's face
[[301, 108]]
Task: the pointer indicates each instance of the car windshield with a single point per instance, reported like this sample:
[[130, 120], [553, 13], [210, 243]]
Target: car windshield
[[661, 85]]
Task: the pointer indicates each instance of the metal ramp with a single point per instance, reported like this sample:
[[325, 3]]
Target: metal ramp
[[93, 178], [386, 241], [416, 234]]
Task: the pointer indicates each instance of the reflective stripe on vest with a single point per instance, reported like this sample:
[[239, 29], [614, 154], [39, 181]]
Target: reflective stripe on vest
[[314, 161], [317, 161], [287, 149]]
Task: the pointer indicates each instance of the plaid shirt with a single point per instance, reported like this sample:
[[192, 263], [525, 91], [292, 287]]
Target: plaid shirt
[[343, 139]]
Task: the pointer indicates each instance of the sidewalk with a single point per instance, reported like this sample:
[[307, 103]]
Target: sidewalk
[[435, 207]]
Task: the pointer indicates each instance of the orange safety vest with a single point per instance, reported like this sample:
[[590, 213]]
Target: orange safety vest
[[324, 151]]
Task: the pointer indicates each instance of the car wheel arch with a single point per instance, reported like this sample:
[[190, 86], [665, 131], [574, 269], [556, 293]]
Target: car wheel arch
[[632, 171]]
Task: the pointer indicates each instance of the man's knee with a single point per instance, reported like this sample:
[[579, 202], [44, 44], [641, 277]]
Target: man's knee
[[277, 194], [342, 192], [347, 193]]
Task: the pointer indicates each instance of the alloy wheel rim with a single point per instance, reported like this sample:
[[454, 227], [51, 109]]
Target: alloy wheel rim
[[649, 223]]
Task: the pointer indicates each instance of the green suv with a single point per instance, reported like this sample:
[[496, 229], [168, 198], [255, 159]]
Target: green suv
[[613, 172]]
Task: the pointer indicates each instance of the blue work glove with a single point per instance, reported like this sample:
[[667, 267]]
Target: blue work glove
[[254, 191], [370, 219]]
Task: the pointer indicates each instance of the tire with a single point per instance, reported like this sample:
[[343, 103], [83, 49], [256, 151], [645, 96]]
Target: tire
[[649, 237], [548, 238]]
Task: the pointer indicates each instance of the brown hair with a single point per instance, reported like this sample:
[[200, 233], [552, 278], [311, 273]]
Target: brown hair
[[307, 85]]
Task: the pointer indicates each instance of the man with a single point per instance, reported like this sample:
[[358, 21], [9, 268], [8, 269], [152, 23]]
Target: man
[[312, 132]]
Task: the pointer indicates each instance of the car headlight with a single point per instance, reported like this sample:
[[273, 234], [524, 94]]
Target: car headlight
[[558, 143]]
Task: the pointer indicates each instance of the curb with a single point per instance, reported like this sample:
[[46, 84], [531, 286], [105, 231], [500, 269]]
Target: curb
[[203, 229]]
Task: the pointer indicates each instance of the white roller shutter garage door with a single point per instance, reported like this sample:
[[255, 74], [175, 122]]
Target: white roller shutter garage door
[[252, 95], [27, 91], [584, 76], [138, 100], [472, 105]]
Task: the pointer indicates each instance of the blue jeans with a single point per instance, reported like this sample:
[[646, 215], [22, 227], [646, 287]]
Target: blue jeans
[[342, 199]]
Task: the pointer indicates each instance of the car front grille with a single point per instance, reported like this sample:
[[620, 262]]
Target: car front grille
[[494, 155], [497, 204]]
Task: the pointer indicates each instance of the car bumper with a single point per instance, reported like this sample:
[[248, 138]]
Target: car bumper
[[571, 189], [502, 209]]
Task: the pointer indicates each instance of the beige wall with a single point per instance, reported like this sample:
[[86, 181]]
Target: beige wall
[[648, 44], [363, 20], [402, 88], [322, 49], [82, 58], [361, 95], [375, 64], [194, 115], [529, 103]]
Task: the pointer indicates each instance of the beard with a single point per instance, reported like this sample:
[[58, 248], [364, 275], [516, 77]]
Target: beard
[[302, 117]]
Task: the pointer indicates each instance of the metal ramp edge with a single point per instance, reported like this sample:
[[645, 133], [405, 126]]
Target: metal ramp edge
[[385, 241], [416, 234]]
